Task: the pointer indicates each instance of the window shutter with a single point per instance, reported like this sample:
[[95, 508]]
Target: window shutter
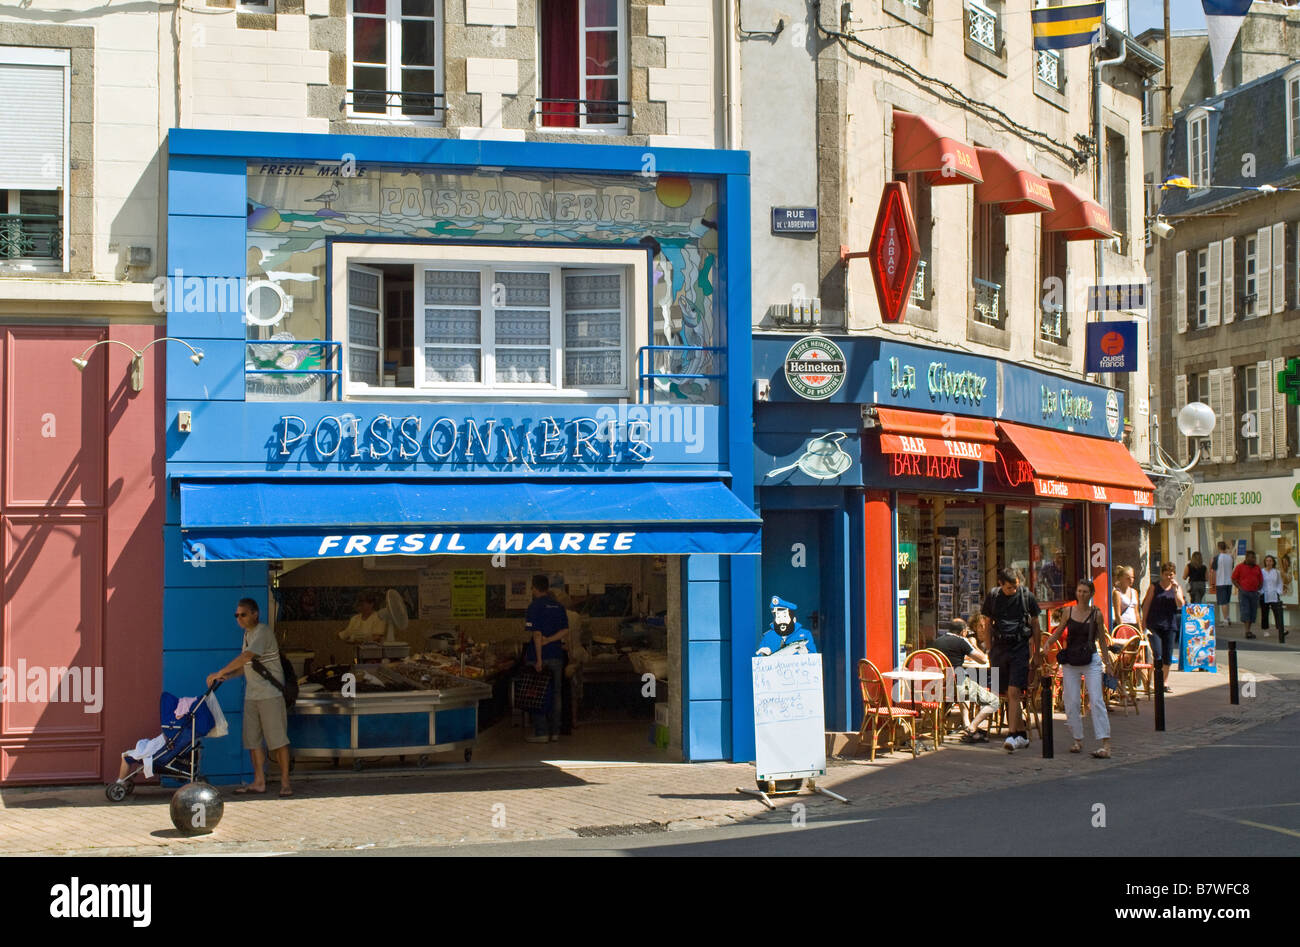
[[1180, 291], [1229, 279], [1264, 423], [1280, 409], [1229, 394], [365, 325], [1263, 267], [1213, 279], [1279, 267], [31, 122], [1216, 405], [1180, 399]]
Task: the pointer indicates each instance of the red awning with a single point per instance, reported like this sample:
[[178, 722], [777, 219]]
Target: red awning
[[1017, 190], [1074, 467], [936, 435], [1076, 216], [921, 145]]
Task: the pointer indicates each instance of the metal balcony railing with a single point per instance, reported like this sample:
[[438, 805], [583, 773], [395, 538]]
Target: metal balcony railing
[[298, 364], [554, 113], [679, 360], [919, 295], [394, 103], [983, 25], [31, 237], [1051, 325], [1049, 67], [988, 302]]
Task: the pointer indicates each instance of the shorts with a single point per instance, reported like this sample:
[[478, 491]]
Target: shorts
[[1224, 593], [968, 690], [1248, 606], [266, 720], [1011, 659]]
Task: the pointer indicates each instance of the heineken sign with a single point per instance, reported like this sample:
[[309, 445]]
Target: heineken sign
[[814, 368]]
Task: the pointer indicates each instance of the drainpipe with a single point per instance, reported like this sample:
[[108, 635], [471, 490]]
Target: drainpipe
[[1099, 138]]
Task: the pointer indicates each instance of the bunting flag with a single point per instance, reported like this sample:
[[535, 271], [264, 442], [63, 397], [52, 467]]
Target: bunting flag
[[1063, 27], [1223, 19]]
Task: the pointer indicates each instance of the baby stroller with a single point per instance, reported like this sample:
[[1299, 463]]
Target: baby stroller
[[176, 751]]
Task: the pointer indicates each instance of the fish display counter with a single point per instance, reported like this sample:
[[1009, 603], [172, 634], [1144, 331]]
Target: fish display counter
[[373, 711]]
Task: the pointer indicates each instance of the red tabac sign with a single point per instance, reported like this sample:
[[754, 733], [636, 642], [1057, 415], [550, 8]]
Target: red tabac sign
[[893, 252]]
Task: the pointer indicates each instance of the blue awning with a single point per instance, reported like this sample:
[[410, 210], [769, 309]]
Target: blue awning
[[248, 520]]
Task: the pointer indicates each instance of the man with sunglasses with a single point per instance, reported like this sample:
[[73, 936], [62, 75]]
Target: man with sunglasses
[[265, 716]]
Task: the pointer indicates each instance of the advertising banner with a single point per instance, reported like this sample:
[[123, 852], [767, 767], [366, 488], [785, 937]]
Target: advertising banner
[[1112, 347], [1198, 639]]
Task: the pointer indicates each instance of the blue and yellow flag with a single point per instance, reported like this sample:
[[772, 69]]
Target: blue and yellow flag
[[1063, 27]]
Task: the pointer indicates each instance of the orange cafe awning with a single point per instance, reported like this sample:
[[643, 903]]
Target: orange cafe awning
[[1076, 216], [934, 435], [921, 145], [1074, 467], [1015, 189]]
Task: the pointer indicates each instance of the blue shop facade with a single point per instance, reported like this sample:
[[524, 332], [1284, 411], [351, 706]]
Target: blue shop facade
[[895, 480], [434, 368]]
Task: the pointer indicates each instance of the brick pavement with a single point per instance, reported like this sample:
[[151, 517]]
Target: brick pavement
[[459, 806]]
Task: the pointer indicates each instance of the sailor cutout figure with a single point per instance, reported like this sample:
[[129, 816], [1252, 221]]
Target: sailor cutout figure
[[785, 632]]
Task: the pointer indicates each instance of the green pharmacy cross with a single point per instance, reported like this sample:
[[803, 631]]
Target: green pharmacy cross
[[1288, 381]]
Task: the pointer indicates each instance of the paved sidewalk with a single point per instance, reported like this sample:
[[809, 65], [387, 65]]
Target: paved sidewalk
[[473, 804]]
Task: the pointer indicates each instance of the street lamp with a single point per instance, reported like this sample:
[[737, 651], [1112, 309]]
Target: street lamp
[[137, 358], [1195, 420]]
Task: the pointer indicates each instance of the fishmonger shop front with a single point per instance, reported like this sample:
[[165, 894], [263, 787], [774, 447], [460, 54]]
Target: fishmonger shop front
[[462, 365]]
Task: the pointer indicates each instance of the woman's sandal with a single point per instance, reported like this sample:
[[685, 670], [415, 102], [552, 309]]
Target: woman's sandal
[[1077, 747], [1102, 754]]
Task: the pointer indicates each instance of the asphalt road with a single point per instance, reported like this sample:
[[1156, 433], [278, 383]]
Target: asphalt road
[[1235, 797]]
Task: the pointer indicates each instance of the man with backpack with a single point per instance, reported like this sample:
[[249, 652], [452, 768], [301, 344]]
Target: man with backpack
[[1012, 616], [266, 715]]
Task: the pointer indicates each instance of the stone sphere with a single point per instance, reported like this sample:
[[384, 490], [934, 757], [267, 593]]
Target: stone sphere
[[196, 808]]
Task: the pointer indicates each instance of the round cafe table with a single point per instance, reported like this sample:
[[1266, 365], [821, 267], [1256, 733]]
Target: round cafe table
[[912, 677]]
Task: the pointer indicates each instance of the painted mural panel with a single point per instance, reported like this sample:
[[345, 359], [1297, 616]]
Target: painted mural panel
[[295, 208]]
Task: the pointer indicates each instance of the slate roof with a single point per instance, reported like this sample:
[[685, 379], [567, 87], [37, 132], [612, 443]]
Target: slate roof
[[1249, 119]]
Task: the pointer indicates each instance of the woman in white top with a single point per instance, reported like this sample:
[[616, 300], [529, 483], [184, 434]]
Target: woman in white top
[[1271, 597], [1125, 599]]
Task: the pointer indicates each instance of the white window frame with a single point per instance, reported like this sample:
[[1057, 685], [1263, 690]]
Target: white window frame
[[256, 6], [393, 75], [1250, 405], [1250, 279], [1199, 173], [1202, 288], [633, 264], [1291, 105], [601, 128], [38, 56]]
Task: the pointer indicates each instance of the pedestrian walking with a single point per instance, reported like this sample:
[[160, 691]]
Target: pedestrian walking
[[1271, 598], [1194, 576], [266, 716], [1160, 611], [1081, 661], [1223, 585], [1013, 615], [1248, 579]]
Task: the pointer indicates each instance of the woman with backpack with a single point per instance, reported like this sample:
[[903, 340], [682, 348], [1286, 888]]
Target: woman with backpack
[[1081, 660]]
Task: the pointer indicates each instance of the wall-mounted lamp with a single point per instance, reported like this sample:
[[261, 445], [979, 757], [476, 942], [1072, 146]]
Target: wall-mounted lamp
[[1195, 420], [137, 358], [1162, 228]]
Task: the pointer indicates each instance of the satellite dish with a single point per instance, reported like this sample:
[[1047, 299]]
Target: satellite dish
[[395, 613]]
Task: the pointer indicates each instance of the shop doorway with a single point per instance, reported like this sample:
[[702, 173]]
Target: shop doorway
[[464, 632]]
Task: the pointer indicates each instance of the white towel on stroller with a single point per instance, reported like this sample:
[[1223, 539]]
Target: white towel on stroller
[[219, 727], [145, 750]]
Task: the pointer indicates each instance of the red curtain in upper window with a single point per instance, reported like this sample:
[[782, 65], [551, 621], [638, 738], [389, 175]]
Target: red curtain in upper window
[[559, 25]]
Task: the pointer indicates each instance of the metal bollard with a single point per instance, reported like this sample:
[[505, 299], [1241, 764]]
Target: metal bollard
[[1158, 676], [1234, 686], [1046, 717]]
